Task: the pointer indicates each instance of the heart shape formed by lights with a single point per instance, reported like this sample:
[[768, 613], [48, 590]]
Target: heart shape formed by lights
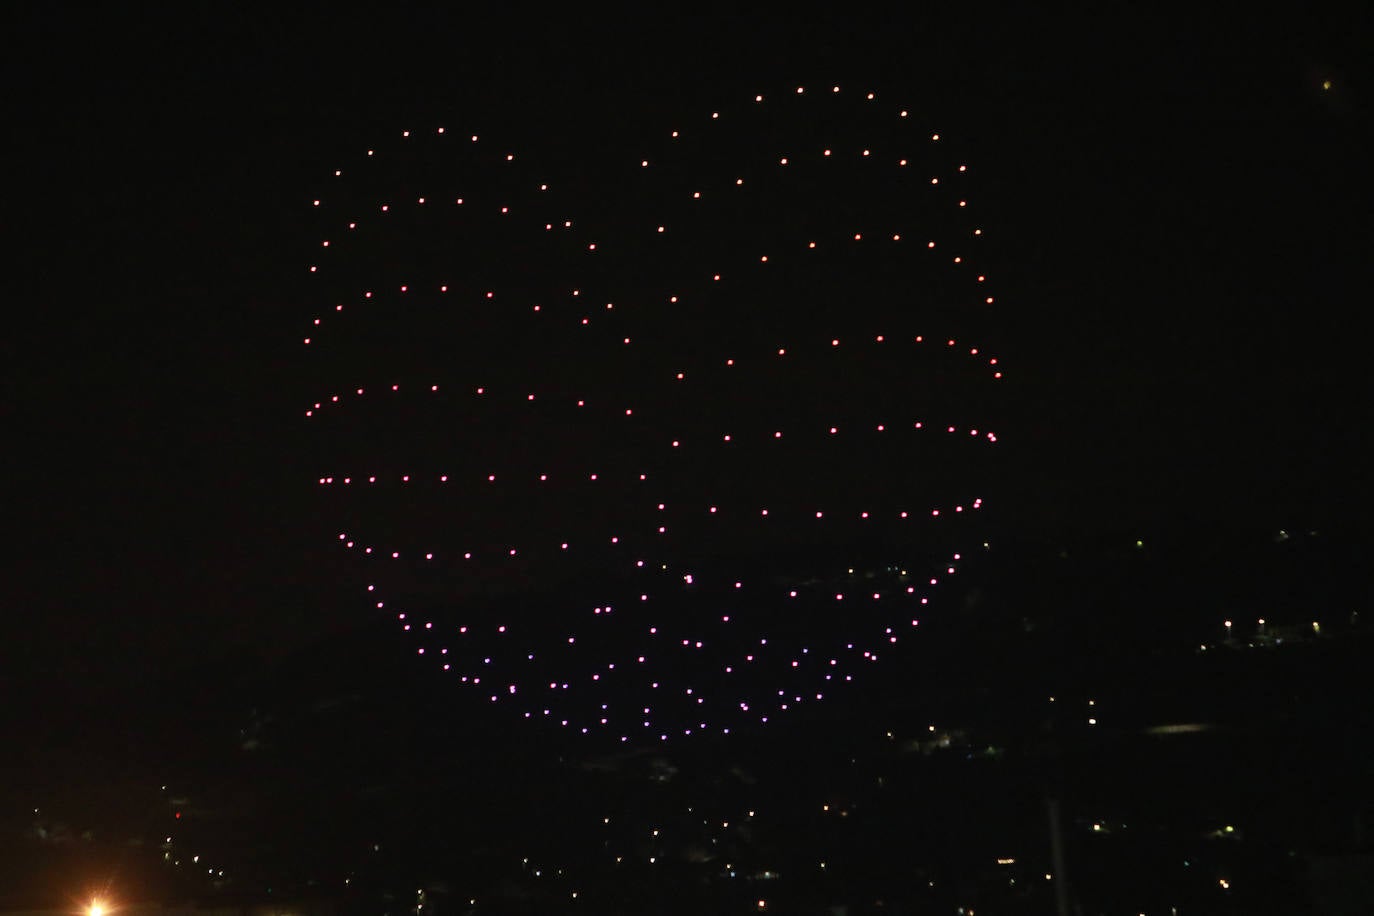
[[661, 440]]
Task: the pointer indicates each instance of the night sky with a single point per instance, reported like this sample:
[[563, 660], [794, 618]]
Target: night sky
[[1180, 211]]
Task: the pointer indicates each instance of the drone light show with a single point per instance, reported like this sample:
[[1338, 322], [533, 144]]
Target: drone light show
[[647, 440]]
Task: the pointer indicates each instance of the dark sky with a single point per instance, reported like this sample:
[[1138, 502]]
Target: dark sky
[[1181, 210]]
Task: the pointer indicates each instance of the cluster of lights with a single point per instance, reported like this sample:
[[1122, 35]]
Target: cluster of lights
[[673, 645]]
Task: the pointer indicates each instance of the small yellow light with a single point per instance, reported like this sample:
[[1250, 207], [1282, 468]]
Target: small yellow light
[[96, 909], [1326, 84]]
